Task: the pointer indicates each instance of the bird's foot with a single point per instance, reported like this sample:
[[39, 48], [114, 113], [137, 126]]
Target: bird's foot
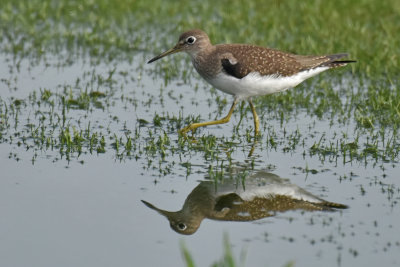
[[188, 128], [183, 132]]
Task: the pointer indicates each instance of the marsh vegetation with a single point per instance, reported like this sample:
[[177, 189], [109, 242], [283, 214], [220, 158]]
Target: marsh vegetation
[[88, 129]]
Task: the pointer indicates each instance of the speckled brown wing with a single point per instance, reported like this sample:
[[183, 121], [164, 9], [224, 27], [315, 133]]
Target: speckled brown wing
[[259, 208], [239, 60]]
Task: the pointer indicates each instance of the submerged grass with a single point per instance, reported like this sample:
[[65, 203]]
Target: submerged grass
[[227, 260], [365, 93], [108, 29], [114, 30], [360, 103]]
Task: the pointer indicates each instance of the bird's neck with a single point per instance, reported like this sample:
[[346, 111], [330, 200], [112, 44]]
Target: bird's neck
[[205, 61]]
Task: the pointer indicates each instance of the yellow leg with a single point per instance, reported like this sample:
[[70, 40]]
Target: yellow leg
[[194, 126], [256, 120]]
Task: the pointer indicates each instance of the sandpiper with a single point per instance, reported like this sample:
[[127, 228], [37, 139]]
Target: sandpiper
[[251, 197], [245, 71]]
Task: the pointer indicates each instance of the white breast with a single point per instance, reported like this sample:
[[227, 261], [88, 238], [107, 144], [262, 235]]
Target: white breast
[[256, 85]]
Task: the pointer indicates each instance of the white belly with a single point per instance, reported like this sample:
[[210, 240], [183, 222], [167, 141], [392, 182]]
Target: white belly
[[265, 187], [256, 85]]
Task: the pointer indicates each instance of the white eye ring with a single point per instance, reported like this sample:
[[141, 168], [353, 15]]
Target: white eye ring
[[182, 226], [190, 40]]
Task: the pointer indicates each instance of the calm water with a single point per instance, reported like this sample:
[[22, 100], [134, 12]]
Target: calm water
[[87, 211]]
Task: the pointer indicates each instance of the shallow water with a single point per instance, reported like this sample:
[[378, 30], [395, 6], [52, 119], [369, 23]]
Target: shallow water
[[63, 208]]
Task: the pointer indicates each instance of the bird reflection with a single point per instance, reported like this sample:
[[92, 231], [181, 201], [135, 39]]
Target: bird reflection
[[247, 198]]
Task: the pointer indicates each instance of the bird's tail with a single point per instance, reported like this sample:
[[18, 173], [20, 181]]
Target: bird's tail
[[331, 61], [326, 205]]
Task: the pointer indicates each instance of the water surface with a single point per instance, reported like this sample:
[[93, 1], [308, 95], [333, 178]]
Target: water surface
[[80, 205]]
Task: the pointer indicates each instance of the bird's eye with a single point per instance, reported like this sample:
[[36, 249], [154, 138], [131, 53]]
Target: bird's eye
[[181, 226], [191, 40]]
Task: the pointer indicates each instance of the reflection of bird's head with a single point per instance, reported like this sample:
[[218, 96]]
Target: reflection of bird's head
[[179, 222]]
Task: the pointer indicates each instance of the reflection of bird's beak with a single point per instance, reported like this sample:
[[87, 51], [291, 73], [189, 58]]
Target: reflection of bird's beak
[[162, 212], [173, 50]]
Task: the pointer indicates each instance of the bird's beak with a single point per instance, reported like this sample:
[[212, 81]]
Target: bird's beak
[[162, 212], [177, 48]]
